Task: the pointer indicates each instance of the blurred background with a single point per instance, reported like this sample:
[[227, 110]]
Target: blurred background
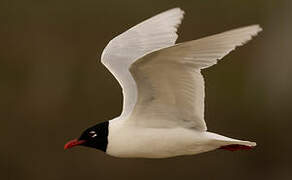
[[53, 86]]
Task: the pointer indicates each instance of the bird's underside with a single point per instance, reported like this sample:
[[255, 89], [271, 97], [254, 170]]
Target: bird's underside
[[131, 141]]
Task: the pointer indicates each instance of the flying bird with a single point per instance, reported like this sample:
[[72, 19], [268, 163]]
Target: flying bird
[[163, 91]]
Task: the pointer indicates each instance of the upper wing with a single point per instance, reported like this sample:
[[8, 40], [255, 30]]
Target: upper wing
[[170, 85], [153, 34]]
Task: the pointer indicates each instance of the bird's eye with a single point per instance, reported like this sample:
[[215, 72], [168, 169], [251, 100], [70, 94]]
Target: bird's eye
[[92, 134]]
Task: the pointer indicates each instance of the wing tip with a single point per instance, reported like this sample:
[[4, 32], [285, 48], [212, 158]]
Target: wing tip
[[256, 27], [180, 13], [178, 9]]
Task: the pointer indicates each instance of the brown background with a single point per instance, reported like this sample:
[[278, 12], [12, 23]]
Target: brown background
[[53, 87]]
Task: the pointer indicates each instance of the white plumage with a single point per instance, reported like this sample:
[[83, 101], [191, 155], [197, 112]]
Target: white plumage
[[153, 34], [163, 88]]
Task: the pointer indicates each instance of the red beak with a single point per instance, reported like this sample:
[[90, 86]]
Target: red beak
[[72, 143]]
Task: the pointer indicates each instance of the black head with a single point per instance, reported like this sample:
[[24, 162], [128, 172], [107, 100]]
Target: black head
[[94, 137]]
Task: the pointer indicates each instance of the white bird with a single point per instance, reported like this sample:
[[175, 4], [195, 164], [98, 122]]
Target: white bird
[[163, 89]]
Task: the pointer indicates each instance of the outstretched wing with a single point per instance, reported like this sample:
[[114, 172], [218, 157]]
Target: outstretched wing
[[170, 85], [150, 35]]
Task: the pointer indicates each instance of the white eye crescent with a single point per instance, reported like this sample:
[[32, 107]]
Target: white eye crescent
[[93, 134]]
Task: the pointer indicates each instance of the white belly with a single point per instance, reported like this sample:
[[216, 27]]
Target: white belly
[[126, 141]]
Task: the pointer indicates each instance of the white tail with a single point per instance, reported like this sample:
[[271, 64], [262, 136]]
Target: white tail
[[227, 143]]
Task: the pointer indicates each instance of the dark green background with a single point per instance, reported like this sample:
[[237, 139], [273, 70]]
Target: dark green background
[[53, 87]]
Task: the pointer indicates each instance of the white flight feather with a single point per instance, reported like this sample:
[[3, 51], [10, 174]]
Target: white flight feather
[[152, 34], [170, 85], [162, 83]]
